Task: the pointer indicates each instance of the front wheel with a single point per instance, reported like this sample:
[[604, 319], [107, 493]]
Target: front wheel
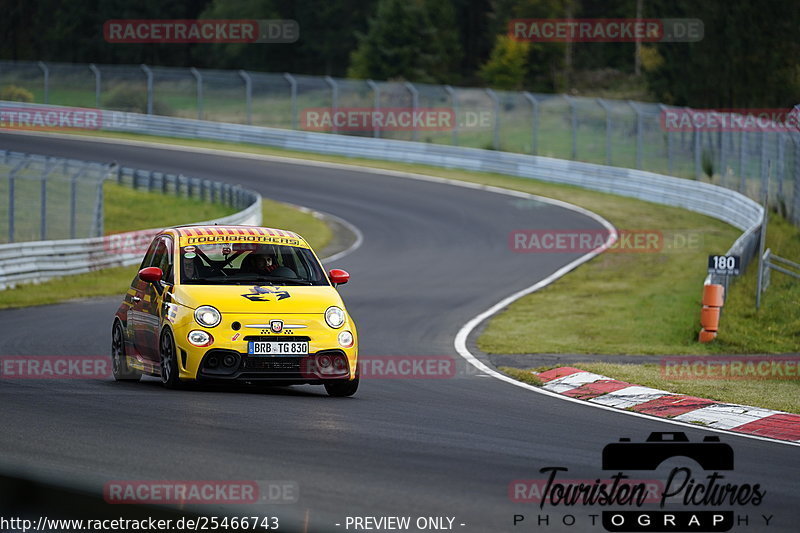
[[340, 389], [119, 362], [169, 361]]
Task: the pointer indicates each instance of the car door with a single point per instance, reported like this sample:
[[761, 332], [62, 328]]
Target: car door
[[136, 317], [153, 300]]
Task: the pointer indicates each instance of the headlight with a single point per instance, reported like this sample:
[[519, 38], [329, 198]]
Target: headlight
[[200, 338], [207, 316], [334, 316], [345, 339]]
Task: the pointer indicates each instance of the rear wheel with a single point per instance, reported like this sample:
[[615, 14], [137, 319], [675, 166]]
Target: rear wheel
[[119, 362], [169, 361]]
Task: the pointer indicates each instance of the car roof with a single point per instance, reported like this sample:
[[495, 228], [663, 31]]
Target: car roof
[[197, 234]]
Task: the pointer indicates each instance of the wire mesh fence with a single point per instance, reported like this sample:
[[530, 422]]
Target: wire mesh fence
[[49, 198], [759, 161]]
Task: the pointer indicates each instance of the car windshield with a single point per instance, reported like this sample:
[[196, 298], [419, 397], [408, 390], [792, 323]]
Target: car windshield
[[225, 263]]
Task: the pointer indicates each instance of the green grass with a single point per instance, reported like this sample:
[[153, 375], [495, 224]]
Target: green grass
[[162, 211], [770, 394], [525, 376], [619, 303]]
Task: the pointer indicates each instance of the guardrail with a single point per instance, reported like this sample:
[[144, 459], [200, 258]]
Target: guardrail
[[718, 202], [38, 261]]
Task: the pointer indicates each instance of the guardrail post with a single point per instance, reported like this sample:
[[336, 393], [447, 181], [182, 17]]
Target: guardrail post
[[534, 121], [293, 89], [334, 101], [762, 242], [97, 80], [198, 79], [376, 105], [496, 126], [414, 106], [454, 105], [248, 95], [46, 75], [149, 76]]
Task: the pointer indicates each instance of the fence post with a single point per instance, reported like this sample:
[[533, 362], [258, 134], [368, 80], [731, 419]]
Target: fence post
[[376, 105], [293, 89], [43, 209], [248, 95], [573, 119], [763, 164], [698, 167], [779, 171], [607, 109], [334, 101], [73, 205], [639, 138], [414, 105], [98, 209], [149, 75], [11, 179], [46, 75], [97, 78], [534, 121], [742, 179], [496, 127], [664, 109], [198, 79], [454, 104]]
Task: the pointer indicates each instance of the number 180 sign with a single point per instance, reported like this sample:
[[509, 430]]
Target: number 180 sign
[[724, 264]]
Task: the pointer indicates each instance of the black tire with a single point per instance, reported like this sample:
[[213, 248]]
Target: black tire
[[119, 363], [341, 389], [169, 361]]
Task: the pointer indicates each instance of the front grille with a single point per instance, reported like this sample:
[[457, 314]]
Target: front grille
[[278, 338]]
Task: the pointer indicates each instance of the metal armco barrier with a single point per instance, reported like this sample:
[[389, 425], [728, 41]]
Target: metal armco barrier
[[37, 261], [718, 202]]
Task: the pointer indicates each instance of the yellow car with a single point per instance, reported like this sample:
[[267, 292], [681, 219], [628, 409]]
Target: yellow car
[[236, 303]]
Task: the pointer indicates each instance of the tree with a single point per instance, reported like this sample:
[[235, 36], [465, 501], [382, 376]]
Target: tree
[[402, 42], [508, 65]]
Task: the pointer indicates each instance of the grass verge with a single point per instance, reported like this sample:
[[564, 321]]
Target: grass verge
[[162, 211], [770, 394]]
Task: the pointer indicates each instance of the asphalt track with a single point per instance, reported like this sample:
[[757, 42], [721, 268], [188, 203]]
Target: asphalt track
[[433, 257]]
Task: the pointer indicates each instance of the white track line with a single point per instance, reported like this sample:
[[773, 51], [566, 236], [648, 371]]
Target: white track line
[[464, 332]]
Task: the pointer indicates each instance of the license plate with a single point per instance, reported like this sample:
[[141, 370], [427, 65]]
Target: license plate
[[277, 348]]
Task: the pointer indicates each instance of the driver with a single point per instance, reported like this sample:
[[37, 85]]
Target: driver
[[265, 263]]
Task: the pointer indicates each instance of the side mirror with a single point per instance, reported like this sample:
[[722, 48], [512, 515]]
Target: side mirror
[[338, 276], [151, 274]]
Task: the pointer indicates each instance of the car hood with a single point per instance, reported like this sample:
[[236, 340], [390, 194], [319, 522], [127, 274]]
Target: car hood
[[259, 298]]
